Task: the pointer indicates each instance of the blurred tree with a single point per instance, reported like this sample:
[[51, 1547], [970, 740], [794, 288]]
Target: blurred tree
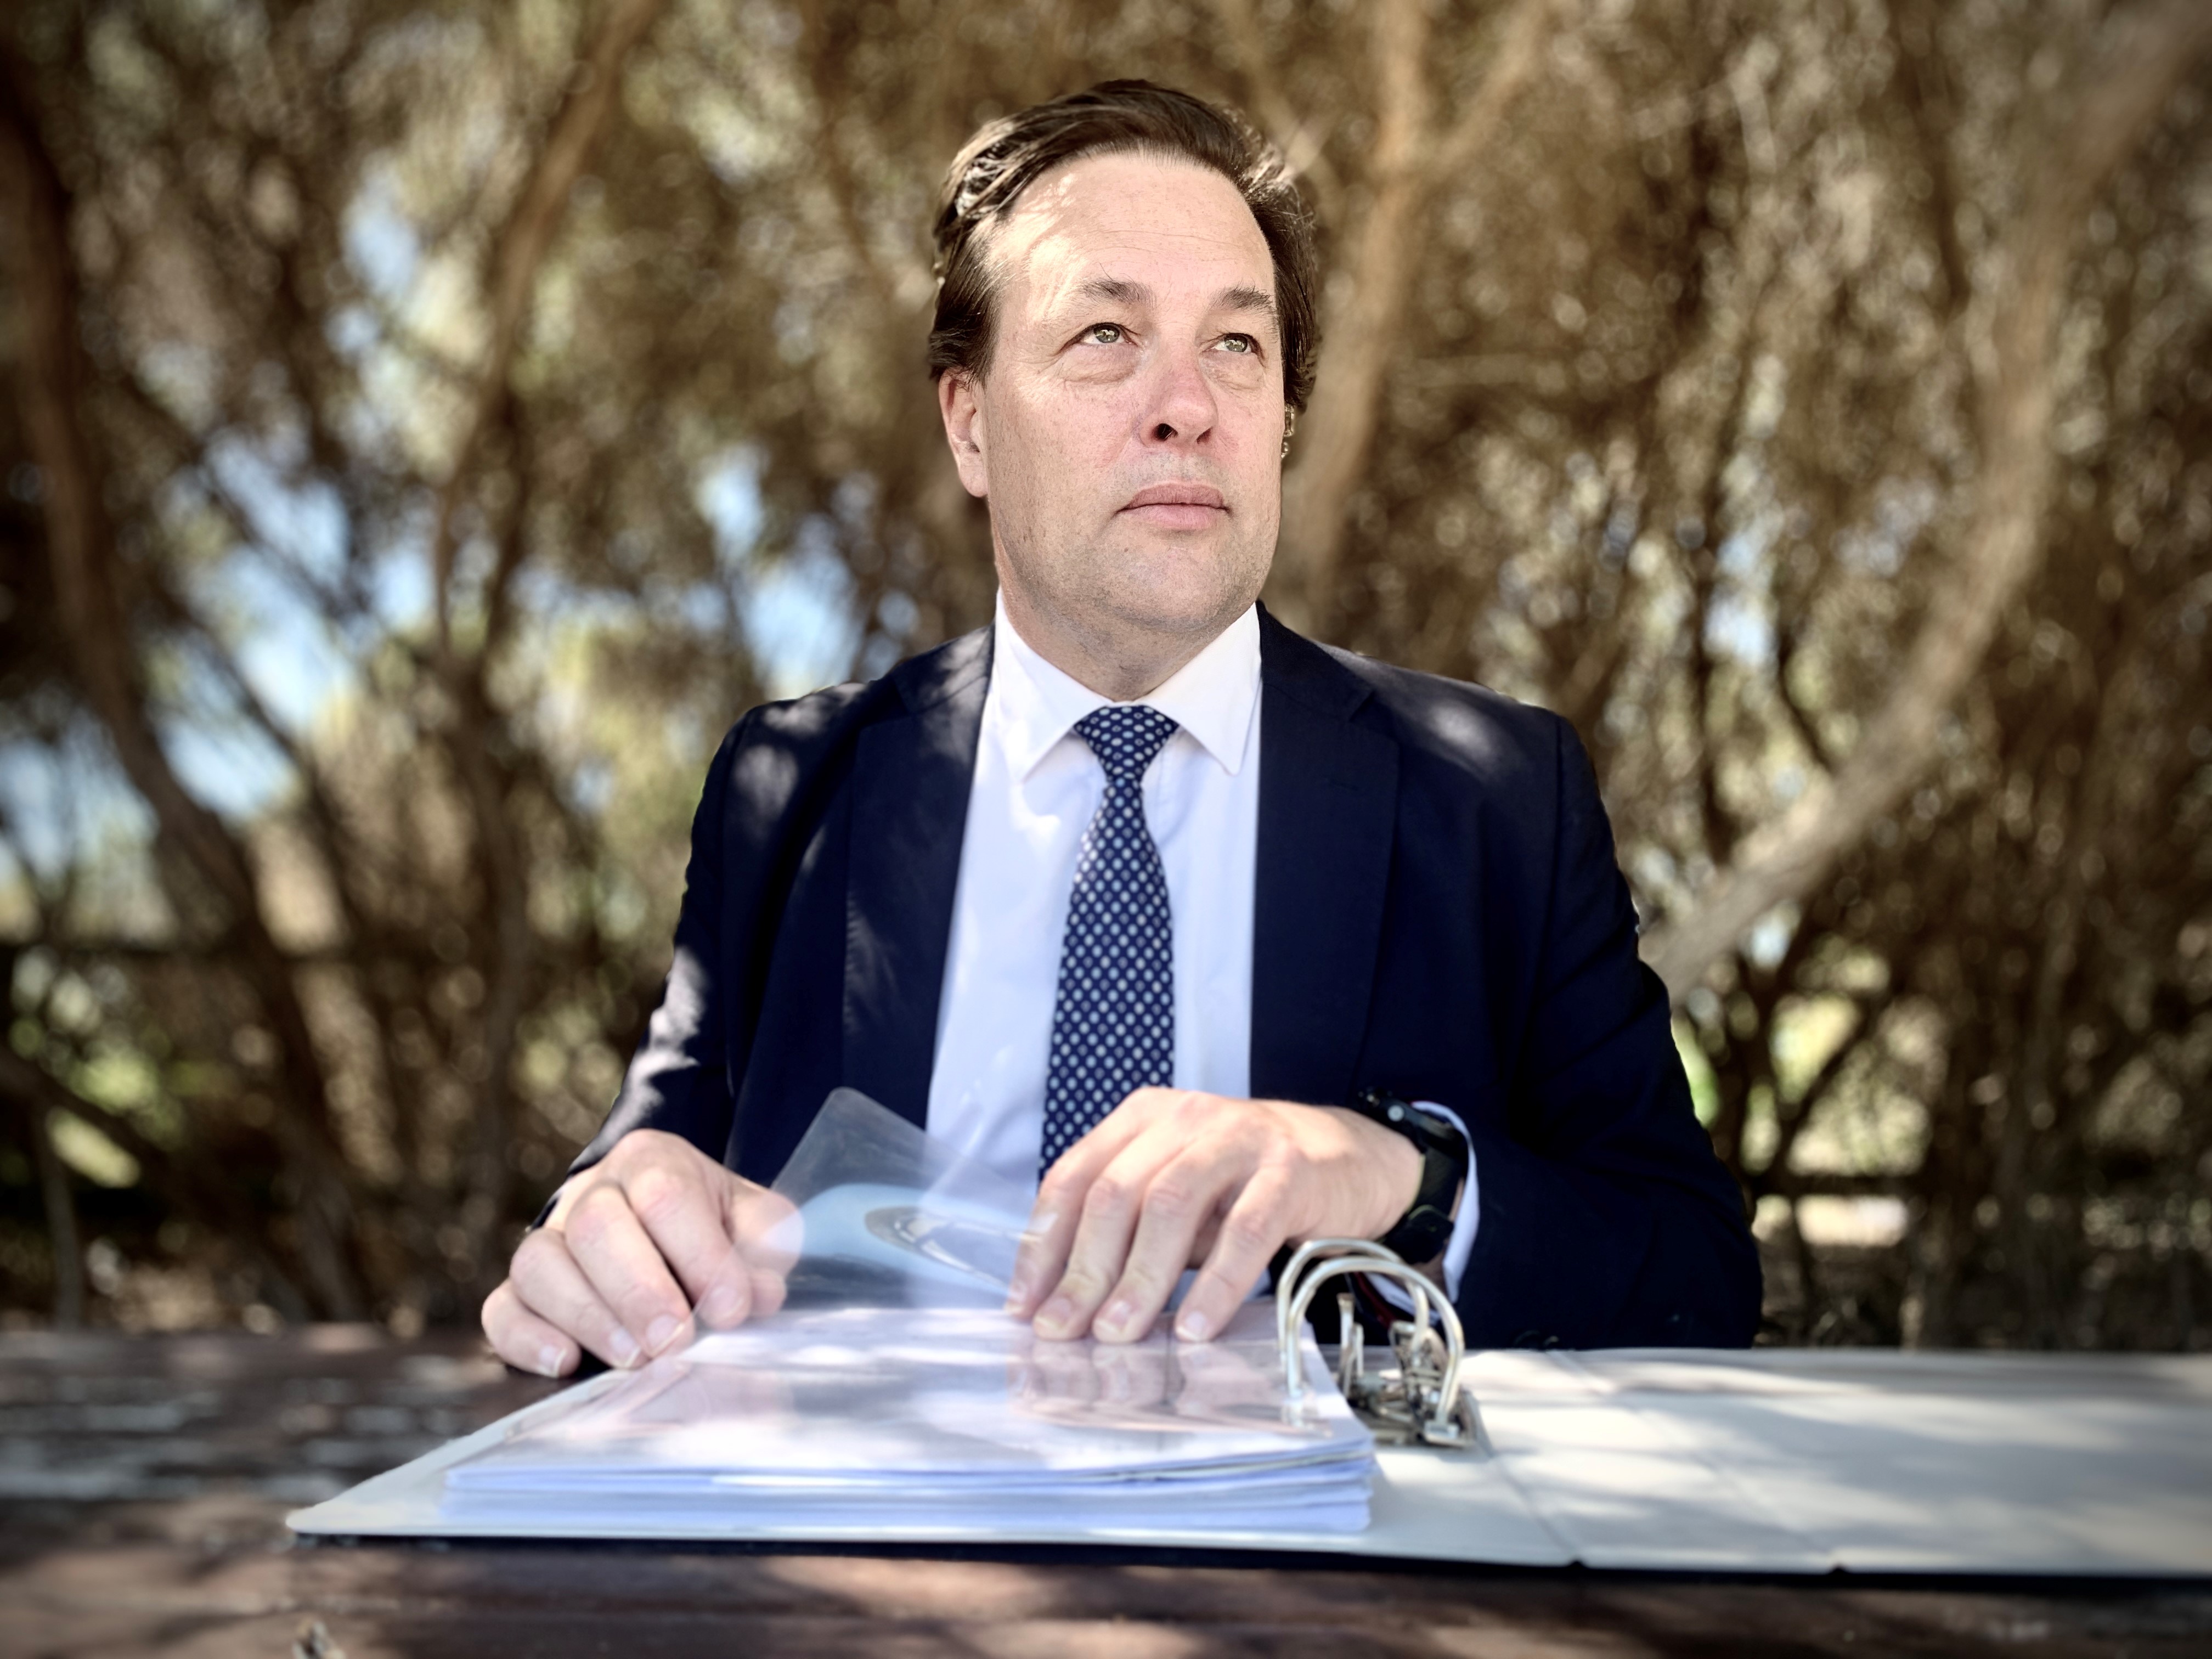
[[430, 426]]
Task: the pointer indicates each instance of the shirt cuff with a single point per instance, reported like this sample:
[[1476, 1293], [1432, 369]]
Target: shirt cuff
[[1465, 1221]]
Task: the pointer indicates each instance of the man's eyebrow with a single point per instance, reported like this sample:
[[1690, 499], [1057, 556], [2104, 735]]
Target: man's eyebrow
[[1245, 298], [1120, 291]]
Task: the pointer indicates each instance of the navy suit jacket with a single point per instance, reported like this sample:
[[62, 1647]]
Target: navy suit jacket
[[1438, 912]]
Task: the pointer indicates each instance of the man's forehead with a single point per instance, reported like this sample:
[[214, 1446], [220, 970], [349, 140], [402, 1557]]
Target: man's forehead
[[1100, 225]]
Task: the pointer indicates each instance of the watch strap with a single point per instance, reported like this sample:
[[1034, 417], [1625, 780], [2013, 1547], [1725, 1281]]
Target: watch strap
[[1422, 1233]]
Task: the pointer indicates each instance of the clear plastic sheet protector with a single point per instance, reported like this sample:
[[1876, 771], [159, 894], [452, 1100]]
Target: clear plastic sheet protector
[[891, 1389]]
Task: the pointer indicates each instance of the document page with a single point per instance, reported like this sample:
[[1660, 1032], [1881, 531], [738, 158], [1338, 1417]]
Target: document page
[[866, 1416], [891, 1391]]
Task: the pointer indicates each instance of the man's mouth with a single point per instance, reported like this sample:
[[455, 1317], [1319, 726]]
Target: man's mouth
[[1178, 505]]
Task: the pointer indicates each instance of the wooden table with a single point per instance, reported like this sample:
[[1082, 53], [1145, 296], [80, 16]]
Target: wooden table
[[143, 1482]]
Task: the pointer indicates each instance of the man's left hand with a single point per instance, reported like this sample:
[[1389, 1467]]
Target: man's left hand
[[1175, 1179]]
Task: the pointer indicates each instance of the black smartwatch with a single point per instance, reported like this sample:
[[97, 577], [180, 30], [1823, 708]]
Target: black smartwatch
[[1422, 1233]]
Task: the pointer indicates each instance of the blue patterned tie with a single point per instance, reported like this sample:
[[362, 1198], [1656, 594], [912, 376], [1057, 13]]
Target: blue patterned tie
[[1113, 1022]]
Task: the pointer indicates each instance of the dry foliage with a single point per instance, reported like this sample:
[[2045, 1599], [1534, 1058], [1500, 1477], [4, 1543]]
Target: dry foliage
[[430, 426]]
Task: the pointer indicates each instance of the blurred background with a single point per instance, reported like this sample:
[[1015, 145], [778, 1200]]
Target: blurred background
[[424, 426]]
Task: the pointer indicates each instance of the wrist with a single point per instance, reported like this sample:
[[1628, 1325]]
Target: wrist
[[1390, 1178], [1423, 1226]]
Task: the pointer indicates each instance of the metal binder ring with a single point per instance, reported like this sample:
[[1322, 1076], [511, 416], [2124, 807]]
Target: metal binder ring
[[1425, 1401]]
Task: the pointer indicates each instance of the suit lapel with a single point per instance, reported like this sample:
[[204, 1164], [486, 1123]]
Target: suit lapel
[[910, 784], [1329, 802]]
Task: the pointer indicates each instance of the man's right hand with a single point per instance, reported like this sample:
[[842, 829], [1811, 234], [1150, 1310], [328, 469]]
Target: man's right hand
[[650, 1245]]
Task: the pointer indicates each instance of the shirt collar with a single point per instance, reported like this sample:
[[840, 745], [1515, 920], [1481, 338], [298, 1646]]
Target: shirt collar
[[1213, 696]]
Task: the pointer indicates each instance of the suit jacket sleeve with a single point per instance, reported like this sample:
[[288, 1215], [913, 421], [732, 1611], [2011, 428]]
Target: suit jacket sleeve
[[1606, 1219]]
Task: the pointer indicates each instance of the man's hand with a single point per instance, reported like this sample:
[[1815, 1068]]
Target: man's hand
[[648, 1246], [1174, 1179]]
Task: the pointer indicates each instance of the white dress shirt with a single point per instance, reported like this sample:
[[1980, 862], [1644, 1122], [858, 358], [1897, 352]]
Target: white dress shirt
[[1036, 787]]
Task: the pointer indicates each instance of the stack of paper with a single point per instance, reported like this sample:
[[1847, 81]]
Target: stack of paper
[[916, 1420]]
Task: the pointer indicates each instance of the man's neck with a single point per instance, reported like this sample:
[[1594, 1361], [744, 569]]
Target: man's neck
[[1121, 668]]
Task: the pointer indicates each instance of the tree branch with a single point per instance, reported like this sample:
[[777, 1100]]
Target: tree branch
[[1801, 718], [520, 251], [90, 611], [1925, 82], [1297, 137], [2120, 98], [1519, 54], [504, 860], [1776, 1171], [1409, 166], [60, 1203]]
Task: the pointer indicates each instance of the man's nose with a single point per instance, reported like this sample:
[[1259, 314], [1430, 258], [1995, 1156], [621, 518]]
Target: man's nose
[[1181, 407]]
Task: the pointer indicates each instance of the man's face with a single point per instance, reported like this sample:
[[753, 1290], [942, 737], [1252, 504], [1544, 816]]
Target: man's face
[[1129, 430]]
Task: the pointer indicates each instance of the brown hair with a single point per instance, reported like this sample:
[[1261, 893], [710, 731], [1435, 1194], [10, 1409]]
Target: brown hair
[[1003, 159]]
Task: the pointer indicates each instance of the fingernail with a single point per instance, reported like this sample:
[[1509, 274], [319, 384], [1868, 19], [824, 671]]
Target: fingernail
[[722, 1306], [1193, 1326], [1017, 1293], [625, 1347], [1116, 1316], [549, 1360], [1057, 1314], [662, 1332]]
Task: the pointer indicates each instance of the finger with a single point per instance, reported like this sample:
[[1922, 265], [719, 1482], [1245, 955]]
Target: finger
[[764, 1224], [1042, 1256], [611, 1248], [1106, 1222], [549, 1284], [1247, 1239], [682, 1218], [1178, 1201], [523, 1339], [767, 1288]]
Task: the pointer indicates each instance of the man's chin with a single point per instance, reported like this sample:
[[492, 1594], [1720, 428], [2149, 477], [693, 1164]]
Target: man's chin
[[1197, 616], [1180, 584]]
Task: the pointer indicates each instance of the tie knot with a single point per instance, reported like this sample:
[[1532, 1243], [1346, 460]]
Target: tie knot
[[1125, 737]]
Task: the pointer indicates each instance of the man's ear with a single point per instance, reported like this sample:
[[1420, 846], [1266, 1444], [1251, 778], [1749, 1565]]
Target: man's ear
[[964, 430]]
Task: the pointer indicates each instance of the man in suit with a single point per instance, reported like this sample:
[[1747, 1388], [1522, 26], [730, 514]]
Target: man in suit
[[1227, 939]]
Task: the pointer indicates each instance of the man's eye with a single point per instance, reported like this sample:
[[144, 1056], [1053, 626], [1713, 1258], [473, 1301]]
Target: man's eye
[[1242, 343], [1103, 334]]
